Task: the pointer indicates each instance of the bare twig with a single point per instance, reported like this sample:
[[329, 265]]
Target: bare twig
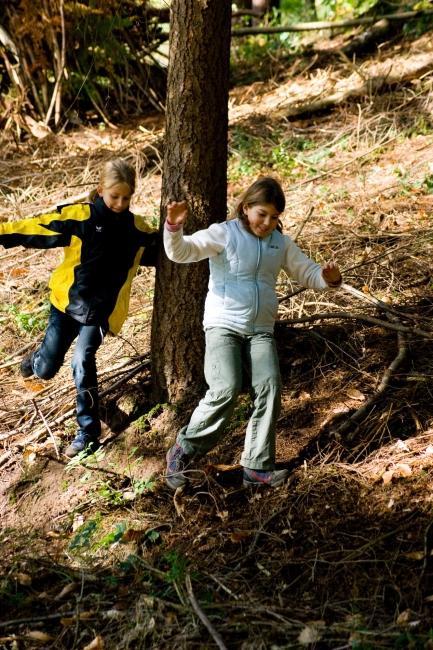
[[365, 408], [362, 317], [41, 415], [202, 616]]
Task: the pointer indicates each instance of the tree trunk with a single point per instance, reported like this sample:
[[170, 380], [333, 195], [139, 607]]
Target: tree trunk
[[195, 169]]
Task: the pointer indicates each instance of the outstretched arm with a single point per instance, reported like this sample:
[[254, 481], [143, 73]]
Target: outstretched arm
[[190, 248], [44, 231]]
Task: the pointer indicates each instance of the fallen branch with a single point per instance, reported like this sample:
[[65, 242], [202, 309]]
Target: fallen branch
[[202, 616], [359, 414], [329, 24], [362, 317], [36, 434], [324, 91], [41, 415]]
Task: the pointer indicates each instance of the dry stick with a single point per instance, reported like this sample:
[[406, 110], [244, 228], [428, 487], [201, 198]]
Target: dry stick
[[303, 223], [11, 359], [202, 616], [325, 24], [61, 64], [355, 266], [41, 415], [366, 297], [36, 619], [359, 413], [37, 433], [362, 317]]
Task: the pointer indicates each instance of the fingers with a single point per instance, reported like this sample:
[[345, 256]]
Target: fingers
[[177, 212]]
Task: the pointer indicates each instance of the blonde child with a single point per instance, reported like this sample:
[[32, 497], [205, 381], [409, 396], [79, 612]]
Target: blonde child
[[245, 255], [104, 243]]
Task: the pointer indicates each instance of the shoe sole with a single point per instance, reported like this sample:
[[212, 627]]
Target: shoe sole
[[174, 483], [277, 483]]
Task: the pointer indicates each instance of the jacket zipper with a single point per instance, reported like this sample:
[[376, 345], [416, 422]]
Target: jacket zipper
[[259, 255]]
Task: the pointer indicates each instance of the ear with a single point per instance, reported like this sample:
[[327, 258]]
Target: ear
[[244, 209], [99, 190]]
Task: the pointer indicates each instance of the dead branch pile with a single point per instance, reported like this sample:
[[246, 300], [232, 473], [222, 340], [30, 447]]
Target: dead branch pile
[[67, 61]]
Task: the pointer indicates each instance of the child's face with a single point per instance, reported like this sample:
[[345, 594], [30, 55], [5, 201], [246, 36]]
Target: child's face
[[261, 219], [116, 197]]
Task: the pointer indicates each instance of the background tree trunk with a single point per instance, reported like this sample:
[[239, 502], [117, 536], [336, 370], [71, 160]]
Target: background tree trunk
[[195, 169]]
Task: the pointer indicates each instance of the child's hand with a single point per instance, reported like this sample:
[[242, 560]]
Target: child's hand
[[331, 274], [177, 212]]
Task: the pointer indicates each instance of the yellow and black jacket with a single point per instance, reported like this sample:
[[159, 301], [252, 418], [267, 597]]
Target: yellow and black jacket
[[102, 251]]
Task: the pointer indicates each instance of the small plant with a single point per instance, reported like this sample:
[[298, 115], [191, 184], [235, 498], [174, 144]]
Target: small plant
[[428, 184], [83, 537], [90, 460], [114, 536], [140, 486], [110, 494], [177, 567], [32, 322], [142, 423]]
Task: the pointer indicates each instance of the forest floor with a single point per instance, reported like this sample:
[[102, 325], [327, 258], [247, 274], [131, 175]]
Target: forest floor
[[99, 553]]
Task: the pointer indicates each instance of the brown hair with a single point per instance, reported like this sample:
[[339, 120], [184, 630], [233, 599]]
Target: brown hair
[[264, 190], [116, 170]]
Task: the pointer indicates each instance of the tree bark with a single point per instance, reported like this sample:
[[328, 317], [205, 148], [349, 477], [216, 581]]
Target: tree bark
[[195, 169]]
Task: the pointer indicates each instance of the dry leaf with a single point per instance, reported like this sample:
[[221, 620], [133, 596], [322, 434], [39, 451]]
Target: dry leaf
[[405, 617], [133, 535], [311, 633], [37, 635], [67, 589], [239, 535], [96, 644], [37, 129], [23, 579], [414, 555], [400, 470], [403, 469], [223, 514], [356, 394], [71, 620], [18, 272], [178, 502], [224, 468], [29, 456], [387, 476]]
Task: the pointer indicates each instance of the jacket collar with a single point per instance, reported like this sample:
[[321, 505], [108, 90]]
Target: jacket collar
[[103, 211]]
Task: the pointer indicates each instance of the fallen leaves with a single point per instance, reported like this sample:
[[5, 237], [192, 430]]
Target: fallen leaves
[[400, 470]]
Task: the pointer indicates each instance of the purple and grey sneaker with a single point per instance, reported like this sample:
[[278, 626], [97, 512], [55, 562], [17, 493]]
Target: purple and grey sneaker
[[273, 478], [177, 461]]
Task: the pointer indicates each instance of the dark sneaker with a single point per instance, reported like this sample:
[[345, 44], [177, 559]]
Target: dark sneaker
[[273, 478], [177, 461], [26, 366], [80, 443]]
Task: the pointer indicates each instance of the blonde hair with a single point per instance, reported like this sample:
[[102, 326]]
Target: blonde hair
[[265, 189], [116, 170]]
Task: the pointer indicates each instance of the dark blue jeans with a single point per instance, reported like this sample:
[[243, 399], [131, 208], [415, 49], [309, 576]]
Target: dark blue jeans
[[62, 330]]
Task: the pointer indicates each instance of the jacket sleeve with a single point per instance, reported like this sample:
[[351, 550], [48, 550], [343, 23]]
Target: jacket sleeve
[[193, 248], [302, 268], [151, 246], [44, 231]]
